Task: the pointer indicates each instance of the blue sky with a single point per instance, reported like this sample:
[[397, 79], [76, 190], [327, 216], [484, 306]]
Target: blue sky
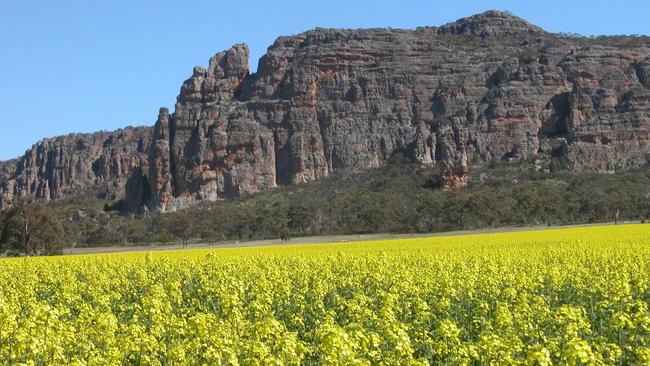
[[83, 66]]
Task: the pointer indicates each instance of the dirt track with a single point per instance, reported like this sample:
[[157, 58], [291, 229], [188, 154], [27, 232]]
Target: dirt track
[[309, 240]]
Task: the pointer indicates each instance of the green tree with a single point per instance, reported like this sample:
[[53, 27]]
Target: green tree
[[2, 229], [300, 216], [30, 229], [181, 226], [285, 234]]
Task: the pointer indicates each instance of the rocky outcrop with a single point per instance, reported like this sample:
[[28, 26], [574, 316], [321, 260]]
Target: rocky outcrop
[[491, 24], [487, 87], [60, 167]]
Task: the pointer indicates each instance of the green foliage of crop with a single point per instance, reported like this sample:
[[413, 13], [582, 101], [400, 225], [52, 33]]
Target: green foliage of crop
[[572, 296]]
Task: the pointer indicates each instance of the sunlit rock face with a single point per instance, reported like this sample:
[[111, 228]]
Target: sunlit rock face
[[488, 87], [62, 167]]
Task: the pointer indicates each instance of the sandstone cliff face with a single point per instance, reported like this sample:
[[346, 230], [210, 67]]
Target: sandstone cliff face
[[488, 87], [63, 166]]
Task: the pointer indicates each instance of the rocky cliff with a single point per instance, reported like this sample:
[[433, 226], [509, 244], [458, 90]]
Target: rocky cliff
[[60, 167], [487, 87]]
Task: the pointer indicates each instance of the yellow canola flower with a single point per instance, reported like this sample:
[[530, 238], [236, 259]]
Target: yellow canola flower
[[575, 296]]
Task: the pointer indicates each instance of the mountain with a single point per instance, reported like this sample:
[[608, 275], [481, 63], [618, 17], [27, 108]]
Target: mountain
[[60, 167], [491, 87]]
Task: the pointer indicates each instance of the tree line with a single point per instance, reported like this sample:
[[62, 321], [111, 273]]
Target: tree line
[[400, 197]]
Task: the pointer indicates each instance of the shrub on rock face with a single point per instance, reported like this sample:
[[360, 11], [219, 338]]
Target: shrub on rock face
[[30, 229]]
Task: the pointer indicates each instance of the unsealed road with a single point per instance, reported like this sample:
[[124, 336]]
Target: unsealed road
[[310, 240]]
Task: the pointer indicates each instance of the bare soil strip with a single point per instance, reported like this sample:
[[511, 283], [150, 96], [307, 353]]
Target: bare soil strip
[[312, 239]]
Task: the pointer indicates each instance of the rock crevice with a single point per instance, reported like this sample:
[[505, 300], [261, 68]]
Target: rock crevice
[[487, 87]]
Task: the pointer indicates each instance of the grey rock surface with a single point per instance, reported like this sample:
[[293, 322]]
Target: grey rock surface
[[488, 87], [61, 167]]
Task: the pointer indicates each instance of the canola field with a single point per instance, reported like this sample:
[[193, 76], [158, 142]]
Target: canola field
[[576, 296]]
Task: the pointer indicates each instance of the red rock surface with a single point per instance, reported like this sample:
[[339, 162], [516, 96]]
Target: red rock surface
[[488, 87]]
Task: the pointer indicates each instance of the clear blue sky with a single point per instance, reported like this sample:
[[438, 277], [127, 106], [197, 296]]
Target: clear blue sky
[[83, 66]]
